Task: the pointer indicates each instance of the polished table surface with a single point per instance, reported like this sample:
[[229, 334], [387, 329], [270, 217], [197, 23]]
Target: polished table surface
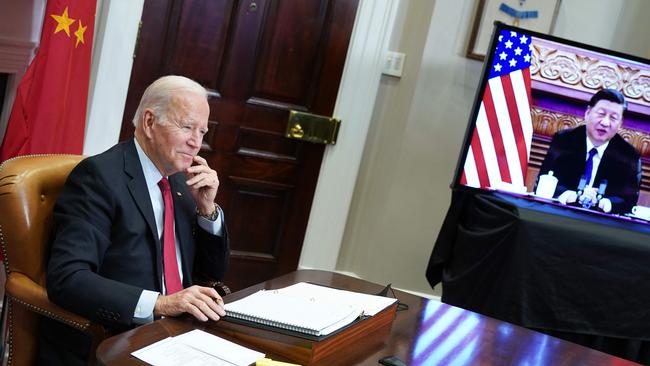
[[428, 333]]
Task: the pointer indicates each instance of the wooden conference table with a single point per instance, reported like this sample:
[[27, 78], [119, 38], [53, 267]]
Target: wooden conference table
[[428, 333]]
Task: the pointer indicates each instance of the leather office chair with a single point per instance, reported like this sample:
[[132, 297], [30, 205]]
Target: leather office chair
[[29, 186]]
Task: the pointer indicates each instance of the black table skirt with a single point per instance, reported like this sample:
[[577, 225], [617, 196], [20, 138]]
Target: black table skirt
[[575, 275]]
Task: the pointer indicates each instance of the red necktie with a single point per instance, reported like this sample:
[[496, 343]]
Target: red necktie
[[172, 278]]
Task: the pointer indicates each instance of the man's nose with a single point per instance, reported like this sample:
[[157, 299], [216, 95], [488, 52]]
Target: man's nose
[[606, 120], [196, 139]]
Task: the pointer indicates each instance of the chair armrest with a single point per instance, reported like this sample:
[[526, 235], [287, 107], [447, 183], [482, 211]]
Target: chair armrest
[[222, 288], [30, 294], [22, 290]]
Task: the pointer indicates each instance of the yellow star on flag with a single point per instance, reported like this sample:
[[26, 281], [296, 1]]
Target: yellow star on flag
[[63, 22], [80, 33]]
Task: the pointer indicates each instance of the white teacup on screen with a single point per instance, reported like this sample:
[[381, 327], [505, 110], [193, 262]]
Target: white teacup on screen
[[642, 212], [546, 185]]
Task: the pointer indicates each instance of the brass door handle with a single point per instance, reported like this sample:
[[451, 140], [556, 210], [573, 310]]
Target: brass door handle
[[312, 128]]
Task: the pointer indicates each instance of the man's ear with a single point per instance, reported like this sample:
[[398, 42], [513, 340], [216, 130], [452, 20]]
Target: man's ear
[[148, 120], [587, 111]]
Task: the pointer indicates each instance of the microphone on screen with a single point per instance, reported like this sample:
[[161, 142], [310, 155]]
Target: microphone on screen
[[583, 200], [602, 188], [581, 185], [580, 190]]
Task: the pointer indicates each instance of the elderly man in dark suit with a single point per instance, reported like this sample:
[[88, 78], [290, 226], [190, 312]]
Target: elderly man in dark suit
[[594, 155], [135, 224]]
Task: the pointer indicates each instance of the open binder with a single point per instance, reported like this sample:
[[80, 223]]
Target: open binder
[[305, 310]]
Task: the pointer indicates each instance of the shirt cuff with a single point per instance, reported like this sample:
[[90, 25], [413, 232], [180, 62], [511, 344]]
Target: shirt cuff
[[144, 308], [213, 227]]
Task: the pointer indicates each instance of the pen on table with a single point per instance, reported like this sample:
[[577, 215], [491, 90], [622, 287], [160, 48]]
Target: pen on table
[[270, 362]]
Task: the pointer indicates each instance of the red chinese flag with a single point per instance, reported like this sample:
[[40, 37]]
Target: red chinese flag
[[49, 113]]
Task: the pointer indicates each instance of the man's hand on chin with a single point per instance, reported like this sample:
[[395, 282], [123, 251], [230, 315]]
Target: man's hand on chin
[[202, 302], [203, 183]]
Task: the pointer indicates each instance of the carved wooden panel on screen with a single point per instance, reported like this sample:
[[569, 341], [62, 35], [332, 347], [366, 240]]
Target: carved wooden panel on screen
[[258, 59]]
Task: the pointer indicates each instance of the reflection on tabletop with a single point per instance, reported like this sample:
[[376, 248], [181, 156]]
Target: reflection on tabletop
[[449, 335]]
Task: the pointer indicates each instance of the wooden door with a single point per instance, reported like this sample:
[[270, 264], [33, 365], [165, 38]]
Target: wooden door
[[258, 59]]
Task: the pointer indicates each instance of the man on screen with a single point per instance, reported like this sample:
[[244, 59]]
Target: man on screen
[[594, 166]]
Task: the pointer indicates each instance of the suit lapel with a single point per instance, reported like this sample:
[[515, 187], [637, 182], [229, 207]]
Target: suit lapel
[[578, 157], [608, 161], [138, 189]]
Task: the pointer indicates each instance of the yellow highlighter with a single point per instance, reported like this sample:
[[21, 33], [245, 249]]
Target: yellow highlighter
[[270, 362]]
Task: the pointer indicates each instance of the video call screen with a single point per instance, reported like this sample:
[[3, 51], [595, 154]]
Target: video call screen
[[562, 123]]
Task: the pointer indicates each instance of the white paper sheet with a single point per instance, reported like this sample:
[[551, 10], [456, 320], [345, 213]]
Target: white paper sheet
[[370, 304], [197, 348]]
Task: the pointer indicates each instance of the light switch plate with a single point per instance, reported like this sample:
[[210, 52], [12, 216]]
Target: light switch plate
[[393, 63]]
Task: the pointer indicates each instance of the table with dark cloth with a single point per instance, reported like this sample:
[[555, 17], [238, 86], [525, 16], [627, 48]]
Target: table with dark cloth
[[575, 275]]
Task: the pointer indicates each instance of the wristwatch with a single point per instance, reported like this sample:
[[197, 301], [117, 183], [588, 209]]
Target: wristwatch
[[212, 216]]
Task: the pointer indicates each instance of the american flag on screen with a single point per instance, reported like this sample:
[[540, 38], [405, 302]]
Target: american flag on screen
[[500, 144]]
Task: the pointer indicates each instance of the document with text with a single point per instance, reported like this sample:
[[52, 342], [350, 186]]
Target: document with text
[[197, 348]]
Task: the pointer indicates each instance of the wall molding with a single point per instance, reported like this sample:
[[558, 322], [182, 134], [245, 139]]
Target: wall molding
[[580, 73], [15, 55], [547, 122]]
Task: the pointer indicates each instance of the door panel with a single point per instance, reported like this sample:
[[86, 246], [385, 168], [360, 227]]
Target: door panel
[[258, 59], [197, 52], [289, 51]]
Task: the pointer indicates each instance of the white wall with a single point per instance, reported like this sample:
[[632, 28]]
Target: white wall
[[16, 19], [116, 27], [588, 21], [631, 32], [403, 189], [620, 25]]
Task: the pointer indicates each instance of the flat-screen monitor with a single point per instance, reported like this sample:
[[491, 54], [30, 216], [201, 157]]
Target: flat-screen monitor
[[562, 123]]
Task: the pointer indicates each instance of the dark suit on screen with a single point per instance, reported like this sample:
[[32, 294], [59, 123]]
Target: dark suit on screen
[[620, 165], [106, 249]]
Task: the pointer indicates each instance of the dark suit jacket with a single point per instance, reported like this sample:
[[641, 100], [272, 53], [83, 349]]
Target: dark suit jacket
[[105, 247], [620, 165]]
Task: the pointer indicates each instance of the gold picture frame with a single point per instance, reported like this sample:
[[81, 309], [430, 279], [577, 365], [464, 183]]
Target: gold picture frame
[[535, 15]]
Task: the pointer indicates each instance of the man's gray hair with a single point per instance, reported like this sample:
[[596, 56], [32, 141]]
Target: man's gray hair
[[157, 96]]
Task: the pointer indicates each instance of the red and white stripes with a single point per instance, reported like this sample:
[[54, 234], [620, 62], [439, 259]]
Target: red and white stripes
[[501, 141]]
